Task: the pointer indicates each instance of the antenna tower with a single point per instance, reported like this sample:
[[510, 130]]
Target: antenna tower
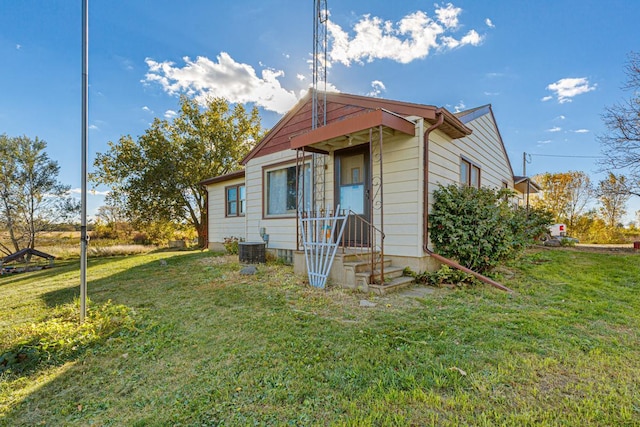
[[319, 100], [320, 16]]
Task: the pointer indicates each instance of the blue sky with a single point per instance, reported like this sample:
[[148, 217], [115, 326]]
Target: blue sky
[[548, 68]]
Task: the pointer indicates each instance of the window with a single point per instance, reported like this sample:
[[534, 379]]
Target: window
[[280, 190], [236, 199], [469, 173]]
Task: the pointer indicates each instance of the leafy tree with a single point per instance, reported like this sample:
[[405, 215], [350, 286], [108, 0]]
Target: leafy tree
[[31, 198], [157, 176], [613, 195], [565, 194], [621, 145], [479, 227]]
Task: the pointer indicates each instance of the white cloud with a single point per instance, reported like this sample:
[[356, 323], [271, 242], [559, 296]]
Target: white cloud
[[448, 15], [412, 37], [581, 131], [300, 77], [170, 114], [18, 46], [489, 23], [89, 192], [147, 109], [567, 88], [494, 75], [561, 117], [555, 129], [472, 38], [491, 93], [377, 87], [547, 98], [546, 141], [94, 127], [459, 107], [234, 81]]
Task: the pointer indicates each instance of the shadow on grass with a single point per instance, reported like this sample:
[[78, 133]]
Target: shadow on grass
[[126, 287], [61, 296], [58, 268]]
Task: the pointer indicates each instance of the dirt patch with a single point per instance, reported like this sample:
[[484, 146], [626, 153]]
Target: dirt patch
[[626, 248]]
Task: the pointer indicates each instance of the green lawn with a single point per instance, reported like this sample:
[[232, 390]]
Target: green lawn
[[213, 347]]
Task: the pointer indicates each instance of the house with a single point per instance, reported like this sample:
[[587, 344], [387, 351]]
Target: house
[[379, 160]]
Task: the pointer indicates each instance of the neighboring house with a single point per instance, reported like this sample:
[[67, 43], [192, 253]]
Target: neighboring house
[[378, 158]]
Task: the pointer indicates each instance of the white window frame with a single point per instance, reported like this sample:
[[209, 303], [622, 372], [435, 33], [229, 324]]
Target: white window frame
[[269, 187]]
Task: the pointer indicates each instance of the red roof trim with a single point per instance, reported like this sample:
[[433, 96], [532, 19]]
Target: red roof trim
[[354, 124]]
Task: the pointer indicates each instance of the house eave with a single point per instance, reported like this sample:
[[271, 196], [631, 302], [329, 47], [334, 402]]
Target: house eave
[[223, 178], [379, 117]]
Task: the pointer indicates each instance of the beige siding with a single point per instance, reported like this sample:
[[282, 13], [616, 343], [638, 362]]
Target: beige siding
[[483, 148], [402, 185], [281, 231], [219, 225]]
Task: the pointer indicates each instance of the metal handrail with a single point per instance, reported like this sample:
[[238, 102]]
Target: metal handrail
[[367, 222], [375, 257]]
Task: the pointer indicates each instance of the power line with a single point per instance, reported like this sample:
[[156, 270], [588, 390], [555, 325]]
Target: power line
[[565, 155]]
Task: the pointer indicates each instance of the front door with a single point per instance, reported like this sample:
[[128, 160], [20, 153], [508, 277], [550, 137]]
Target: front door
[[352, 191]]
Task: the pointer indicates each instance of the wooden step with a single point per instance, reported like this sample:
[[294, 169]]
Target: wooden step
[[391, 286], [348, 257], [389, 273], [360, 266]]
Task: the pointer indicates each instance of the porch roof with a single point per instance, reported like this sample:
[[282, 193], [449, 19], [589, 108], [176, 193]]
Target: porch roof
[[525, 184], [379, 117]]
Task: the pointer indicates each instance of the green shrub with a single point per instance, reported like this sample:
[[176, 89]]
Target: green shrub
[[231, 244], [61, 337], [480, 228], [445, 276]]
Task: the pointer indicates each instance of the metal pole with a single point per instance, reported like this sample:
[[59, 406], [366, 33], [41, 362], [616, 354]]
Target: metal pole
[[85, 128], [524, 164]]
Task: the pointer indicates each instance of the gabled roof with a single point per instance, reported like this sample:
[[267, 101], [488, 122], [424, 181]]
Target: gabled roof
[[475, 113], [468, 115], [525, 184], [223, 178], [342, 106]]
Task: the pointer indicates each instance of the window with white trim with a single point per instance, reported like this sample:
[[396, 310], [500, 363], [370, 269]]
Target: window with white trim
[[280, 190]]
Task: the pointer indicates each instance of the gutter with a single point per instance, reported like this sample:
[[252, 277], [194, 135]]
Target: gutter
[[425, 183], [425, 212]]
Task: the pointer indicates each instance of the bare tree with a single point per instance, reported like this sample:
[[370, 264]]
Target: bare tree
[[621, 144]]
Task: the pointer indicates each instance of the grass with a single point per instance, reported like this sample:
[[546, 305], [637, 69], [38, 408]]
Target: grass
[[213, 347]]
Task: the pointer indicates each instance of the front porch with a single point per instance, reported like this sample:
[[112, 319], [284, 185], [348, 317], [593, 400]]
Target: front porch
[[346, 173], [352, 270]]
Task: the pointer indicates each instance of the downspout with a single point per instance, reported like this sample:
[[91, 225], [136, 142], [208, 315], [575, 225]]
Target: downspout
[[425, 212], [425, 183], [205, 220]]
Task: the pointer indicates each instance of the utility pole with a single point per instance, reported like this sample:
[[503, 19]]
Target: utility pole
[[85, 131]]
